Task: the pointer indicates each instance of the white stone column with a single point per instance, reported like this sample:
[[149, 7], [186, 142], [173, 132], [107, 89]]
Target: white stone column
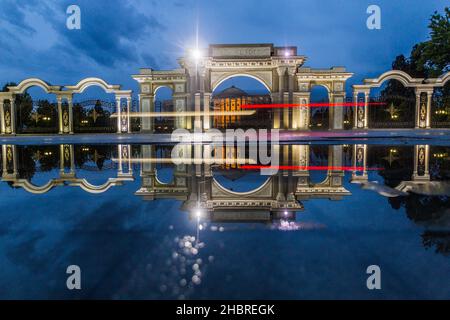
[[429, 101], [295, 113], [422, 116], [2, 116], [366, 109], [13, 115], [337, 113], [60, 114], [72, 159], [198, 118], [120, 164], [206, 105], [359, 160], [284, 97], [62, 167], [301, 114], [119, 115], [289, 97], [4, 160], [300, 158], [286, 112], [276, 111], [147, 106], [417, 120], [179, 107], [421, 163], [128, 115], [355, 110], [335, 159], [70, 103], [7, 162]]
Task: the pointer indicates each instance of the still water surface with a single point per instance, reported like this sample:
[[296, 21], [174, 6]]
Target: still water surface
[[140, 227]]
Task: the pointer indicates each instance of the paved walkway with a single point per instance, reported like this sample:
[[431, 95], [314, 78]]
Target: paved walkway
[[432, 136]]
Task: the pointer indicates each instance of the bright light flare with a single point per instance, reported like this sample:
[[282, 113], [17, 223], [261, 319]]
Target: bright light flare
[[196, 54]]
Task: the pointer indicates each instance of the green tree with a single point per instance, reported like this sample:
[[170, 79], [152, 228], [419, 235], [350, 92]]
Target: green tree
[[435, 56], [47, 113], [430, 58]]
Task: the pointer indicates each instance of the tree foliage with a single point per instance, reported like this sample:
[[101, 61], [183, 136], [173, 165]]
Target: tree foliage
[[427, 59], [430, 58]]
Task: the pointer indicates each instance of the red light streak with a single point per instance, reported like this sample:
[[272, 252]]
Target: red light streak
[[310, 168], [310, 105]]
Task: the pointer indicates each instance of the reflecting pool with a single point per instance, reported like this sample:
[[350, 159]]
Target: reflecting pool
[[140, 226]]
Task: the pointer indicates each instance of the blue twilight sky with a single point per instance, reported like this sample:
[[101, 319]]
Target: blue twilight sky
[[118, 37]]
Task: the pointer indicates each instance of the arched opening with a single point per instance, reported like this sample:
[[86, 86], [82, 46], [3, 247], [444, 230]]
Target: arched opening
[[394, 106], [38, 164], [164, 103], [165, 172], [231, 94], [239, 180], [36, 111], [439, 164], [92, 110], [396, 161], [319, 115], [318, 157], [93, 157], [440, 107]]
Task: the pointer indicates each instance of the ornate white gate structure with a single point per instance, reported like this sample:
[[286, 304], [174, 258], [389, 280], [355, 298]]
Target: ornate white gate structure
[[279, 69], [62, 93]]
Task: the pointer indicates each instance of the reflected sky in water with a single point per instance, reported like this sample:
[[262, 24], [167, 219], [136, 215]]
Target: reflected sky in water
[[131, 247]]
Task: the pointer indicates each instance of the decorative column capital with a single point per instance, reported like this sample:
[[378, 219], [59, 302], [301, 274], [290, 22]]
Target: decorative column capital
[[292, 71], [281, 71]]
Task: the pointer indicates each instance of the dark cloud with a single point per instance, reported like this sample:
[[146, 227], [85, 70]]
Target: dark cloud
[[119, 36], [13, 13], [148, 61], [109, 32]]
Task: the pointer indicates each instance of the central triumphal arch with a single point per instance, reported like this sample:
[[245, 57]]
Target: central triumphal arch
[[279, 69]]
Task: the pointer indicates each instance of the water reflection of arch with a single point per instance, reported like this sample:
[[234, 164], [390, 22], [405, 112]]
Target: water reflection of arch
[[263, 190], [32, 188], [74, 182], [151, 186], [420, 181], [66, 178], [162, 183], [88, 187], [332, 186], [278, 196]]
